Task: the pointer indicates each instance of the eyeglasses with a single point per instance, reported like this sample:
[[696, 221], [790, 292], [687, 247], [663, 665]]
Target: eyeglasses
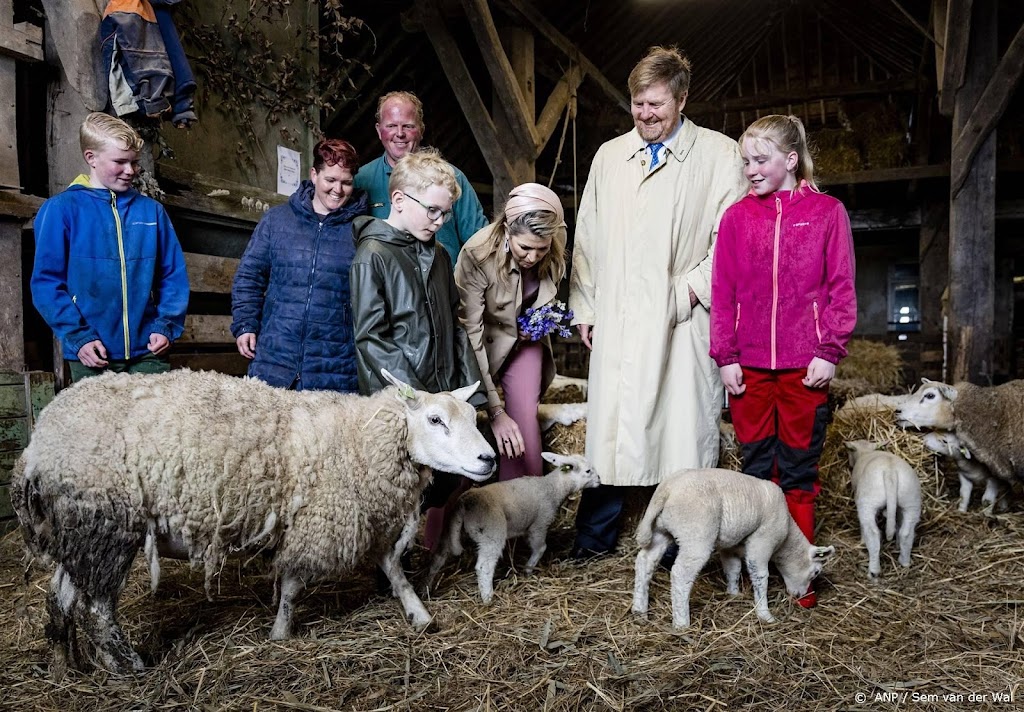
[[433, 212]]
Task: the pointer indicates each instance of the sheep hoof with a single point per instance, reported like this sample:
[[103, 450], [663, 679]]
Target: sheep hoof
[[769, 618]]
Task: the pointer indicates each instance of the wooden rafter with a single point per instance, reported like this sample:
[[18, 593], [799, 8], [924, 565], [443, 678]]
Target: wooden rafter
[[987, 111], [764, 100], [520, 118], [560, 95], [546, 29], [957, 35], [466, 93]]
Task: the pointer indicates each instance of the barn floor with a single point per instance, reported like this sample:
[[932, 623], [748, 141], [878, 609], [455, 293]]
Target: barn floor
[[934, 635]]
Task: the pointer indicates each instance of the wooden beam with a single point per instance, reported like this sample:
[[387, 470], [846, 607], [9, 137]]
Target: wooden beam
[[480, 122], [21, 40], [10, 174], [972, 224], [207, 329], [763, 100], [209, 273], [955, 46], [535, 18], [987, 111], [506, 86], [12, 316], [555, 105], [197, 192]]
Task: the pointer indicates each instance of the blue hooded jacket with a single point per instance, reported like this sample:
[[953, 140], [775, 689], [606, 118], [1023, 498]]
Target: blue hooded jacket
[[108, 266], [292, 290]]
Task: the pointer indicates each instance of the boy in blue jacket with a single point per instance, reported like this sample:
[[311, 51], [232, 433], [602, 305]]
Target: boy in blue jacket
[[109, 275]]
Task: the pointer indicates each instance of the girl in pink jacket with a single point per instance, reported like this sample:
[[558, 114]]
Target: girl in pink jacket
[[783, 309]]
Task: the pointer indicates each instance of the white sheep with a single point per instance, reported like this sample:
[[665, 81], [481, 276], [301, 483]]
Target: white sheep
[[987, 421], [493, 514], [207, 465], [873, 402], [883, 481], [741, 515], [972, 473]]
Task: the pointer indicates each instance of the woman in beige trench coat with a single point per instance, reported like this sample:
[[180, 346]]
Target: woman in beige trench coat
[[504, 269]]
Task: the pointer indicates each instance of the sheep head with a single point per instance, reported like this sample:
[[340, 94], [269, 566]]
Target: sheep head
[[442, 431], [930, 406]]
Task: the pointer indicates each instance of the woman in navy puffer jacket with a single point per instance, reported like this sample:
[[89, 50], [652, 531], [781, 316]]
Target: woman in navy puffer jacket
[[290, 301]]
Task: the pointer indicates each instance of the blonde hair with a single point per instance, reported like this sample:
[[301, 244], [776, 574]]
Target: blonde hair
[[785, 133], [543, 224], [661, 64], [100, 131], [407, 96], [422, 169]]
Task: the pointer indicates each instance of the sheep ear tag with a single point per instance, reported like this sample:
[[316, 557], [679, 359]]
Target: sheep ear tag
[[406, 393]]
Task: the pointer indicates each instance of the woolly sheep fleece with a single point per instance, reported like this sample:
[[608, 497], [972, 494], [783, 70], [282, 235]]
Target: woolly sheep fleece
[[228, 463], [988, 422]]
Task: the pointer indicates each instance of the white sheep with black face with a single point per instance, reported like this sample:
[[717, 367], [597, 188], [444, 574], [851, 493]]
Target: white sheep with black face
[[744, 517], [526, 506], [883, 482], [204, 466]]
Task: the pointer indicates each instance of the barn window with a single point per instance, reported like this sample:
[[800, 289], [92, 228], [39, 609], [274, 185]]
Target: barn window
[[904, 307]]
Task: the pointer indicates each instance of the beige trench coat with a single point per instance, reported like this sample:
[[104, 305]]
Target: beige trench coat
[[643, 239], [489, 310]]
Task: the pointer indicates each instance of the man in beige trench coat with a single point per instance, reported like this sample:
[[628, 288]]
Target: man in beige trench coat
[[641, 290]]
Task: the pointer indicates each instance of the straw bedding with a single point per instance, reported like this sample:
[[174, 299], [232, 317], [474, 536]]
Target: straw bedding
[[564, 639]]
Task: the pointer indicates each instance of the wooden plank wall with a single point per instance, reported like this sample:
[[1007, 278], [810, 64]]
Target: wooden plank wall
[[22, 397]]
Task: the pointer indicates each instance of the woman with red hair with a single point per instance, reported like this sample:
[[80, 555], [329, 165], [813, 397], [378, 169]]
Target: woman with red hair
[[290, 301]]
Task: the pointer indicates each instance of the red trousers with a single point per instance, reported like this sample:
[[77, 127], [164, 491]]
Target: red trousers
[[780, 425]]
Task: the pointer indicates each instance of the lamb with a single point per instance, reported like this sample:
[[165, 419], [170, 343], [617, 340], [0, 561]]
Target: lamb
[[873, 402], [741, 515], [204, 465], [883, 481], [501, 511], [986, 420], [971, 472]]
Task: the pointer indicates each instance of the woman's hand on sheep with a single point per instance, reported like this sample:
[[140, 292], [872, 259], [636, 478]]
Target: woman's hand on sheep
[[247, 345], [506, 432], [732, 379], [819, 373]]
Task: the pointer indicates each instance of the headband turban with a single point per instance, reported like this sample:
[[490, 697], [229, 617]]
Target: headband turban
[[532, 197]]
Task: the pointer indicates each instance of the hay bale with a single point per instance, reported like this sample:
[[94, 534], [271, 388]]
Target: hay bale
[[872, 362], [566, 394], [885, 150], [566, 439], [835, 151]]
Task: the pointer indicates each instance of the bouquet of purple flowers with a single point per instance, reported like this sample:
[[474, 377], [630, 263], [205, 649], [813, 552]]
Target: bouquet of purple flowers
[[552, 318]]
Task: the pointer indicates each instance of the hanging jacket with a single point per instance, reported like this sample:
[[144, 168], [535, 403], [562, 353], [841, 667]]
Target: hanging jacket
[[406, 308], [108, 266], [130, 37], [783, 281], [292, 290], [182, 103]]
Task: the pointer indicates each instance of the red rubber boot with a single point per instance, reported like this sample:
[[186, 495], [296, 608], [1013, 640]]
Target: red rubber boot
[[801, 508]]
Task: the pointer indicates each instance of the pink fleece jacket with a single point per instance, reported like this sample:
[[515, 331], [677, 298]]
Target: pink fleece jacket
[[782, 285]]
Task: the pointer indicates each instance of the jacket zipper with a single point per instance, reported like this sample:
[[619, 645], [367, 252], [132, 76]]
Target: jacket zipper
[[817, 326], [736, 327], [775, 272], [124, 276], [309, 297]]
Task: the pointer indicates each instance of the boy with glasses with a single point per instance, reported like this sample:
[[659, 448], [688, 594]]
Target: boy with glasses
[[404, 300]]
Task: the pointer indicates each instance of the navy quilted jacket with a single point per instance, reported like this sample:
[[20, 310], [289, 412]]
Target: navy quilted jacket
[[292, 291]]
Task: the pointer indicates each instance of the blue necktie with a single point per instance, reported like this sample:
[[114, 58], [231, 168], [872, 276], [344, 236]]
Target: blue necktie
[[655, 147]]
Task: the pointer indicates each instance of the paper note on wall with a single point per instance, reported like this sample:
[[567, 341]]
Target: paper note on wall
[[287, 170]]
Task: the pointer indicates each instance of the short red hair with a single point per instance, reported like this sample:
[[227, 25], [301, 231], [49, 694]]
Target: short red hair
[[335, 152]]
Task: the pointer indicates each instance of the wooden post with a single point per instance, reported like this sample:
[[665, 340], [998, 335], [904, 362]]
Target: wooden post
[[934, 265], [972, 216], [518, 46], [12, 335]]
